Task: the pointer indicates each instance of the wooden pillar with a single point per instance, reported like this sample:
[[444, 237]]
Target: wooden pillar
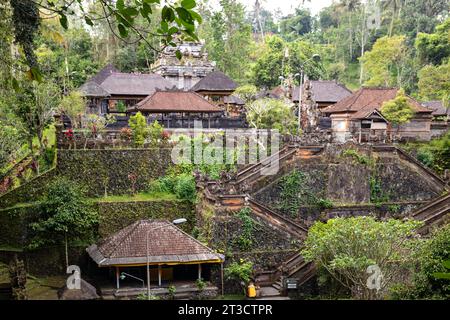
[[199, 271], [117, 278], [159, 275]]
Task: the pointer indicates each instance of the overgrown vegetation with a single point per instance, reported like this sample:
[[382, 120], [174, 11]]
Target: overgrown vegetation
[[357, 156], [246, 237], [66, 216], [434, 154], [346, 248], [430, 259], [240, 271], [295, 193]]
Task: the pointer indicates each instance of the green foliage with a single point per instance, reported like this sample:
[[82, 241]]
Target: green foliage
[[426, 157], [377, 194], [10, 143], [272, 63], [434, 48], [138, 125], [73, 105], [121, 107], [144, 296], [295, 25], [248, 226], [432, 257], [175, 18], [182, 185], [295, 193], [229, 39], [398, 111], [155, 133], [360, 158], [239, 271], [272, 114], [172, 290], [201, 284], [434, 83], [247, 92], [384, 64], [65, 213], [346, 247]]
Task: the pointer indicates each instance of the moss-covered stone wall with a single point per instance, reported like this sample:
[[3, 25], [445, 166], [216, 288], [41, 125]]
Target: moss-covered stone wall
[[110, 171], [114, 216]]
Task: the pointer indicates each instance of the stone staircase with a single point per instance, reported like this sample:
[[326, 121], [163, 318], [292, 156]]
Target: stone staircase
[[261, 171], [433, 214]]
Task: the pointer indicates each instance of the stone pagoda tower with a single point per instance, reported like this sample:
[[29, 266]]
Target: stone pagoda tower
[[188, 71]]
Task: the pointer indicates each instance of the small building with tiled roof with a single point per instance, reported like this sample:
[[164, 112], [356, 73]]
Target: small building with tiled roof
[[323, 93], [441, 117], [170, 253], [359, 117], [111, 91], [178, 109], [438, 108], [215, 87]]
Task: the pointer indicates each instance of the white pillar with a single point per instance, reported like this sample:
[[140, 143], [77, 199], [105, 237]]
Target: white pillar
[[199, 271], [159, 275], [117, 278]]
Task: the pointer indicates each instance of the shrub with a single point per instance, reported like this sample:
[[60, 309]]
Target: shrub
[[426, 157], [185, 187], [138, 126], [241, 271]]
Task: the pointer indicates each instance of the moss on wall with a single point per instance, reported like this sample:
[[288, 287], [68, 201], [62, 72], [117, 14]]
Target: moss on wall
[[99, 171], [109, 170], [114, 216]]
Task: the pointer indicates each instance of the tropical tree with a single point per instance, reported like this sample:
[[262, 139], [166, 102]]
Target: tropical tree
[[428, 280], [385, 63], [246, 92], [434, 83], [66, 216], [356, 251], [33, 106], [138, 125], [398, 111], [272, 114], [73, 106], [176, 17], [229, 39]]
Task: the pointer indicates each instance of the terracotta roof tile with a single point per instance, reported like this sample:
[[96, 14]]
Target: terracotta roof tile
[[175, 101], [366, 100], [167, 244]]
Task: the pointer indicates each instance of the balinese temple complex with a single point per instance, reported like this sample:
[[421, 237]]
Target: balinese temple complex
[[209, 93]]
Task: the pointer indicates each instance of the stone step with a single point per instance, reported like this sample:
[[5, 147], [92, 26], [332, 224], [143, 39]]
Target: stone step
[[269, 292]]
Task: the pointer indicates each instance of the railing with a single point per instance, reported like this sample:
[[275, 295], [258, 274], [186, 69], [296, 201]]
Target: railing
[[286, 223]]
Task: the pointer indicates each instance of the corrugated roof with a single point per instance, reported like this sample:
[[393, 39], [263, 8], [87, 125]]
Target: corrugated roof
[[167, 245], [324, 91], [215, 81], [366, 100], [175, 101], [438, 108]]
